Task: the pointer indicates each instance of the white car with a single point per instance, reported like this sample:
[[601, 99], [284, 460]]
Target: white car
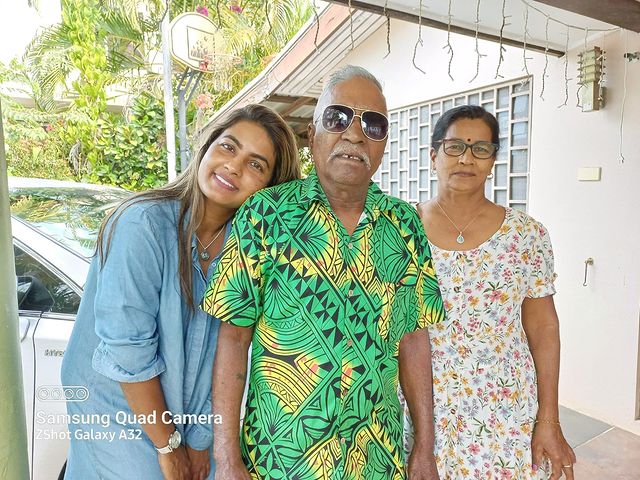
[[54, 226]]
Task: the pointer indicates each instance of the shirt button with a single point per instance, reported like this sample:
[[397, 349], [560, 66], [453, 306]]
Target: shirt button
[[351, 293], [343, 440], [349, 343], [350, 245]]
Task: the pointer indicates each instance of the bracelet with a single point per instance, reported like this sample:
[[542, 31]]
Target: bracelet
[[544, 420]]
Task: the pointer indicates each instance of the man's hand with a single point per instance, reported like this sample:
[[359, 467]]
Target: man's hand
[[175, 465], [231, 470], [200, 464], [422, 464]]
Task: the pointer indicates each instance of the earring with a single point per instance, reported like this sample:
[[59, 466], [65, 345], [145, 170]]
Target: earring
[[490, 176]]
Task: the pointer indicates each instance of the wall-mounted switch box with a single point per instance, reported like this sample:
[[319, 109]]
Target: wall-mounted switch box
[[589, 174]]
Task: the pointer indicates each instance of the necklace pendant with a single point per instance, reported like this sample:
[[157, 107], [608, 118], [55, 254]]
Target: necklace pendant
[[460, 239], [204, 255]]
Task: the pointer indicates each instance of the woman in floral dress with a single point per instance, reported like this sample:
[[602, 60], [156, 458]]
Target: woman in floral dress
[[496, 357]]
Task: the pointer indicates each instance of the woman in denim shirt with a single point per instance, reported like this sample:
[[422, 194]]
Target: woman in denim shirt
[[140, 344]]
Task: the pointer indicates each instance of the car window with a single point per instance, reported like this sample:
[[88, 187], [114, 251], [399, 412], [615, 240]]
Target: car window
[[39, 289], [72, 216]]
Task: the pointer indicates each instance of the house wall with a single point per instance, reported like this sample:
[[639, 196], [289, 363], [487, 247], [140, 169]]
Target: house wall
[[599, 322]]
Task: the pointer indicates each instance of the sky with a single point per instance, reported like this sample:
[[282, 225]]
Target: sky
[[19, 23]]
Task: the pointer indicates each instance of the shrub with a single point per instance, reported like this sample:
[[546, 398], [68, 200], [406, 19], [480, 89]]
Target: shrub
[[133, 149], [33, 144]]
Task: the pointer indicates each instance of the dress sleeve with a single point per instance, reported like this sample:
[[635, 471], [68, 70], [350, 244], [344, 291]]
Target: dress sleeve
[[233, 294], [540, 262], [127, 301]]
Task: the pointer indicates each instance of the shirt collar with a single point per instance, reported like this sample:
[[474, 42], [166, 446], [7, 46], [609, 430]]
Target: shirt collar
[[376, 202]]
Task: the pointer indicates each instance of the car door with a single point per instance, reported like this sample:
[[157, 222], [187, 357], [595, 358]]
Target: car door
[[48, 302]]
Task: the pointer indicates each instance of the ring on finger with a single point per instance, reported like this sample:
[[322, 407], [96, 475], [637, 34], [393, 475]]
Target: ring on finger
[[568, 466]]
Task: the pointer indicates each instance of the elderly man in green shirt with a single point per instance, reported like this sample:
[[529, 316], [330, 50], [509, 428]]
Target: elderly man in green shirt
[[331, 282]]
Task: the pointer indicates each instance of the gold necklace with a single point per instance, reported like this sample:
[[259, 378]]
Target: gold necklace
[[204, 255], [460, 237]]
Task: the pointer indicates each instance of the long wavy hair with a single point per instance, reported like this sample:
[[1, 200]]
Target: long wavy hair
[[186, 190]]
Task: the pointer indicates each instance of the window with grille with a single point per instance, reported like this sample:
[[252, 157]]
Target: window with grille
[[406, 166]]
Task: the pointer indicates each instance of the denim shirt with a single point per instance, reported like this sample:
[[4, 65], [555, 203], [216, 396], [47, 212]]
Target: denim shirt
[[133, 325]]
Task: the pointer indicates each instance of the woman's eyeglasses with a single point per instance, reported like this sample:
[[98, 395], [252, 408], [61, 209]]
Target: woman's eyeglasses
[[480, 150], [338, 118]]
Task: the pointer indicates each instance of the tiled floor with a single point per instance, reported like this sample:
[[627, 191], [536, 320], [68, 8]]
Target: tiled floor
[[604, 452]]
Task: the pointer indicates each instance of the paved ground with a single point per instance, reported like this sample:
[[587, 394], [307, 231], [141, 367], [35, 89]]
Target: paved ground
[[604, 452]]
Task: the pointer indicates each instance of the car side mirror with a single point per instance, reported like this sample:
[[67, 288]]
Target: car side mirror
[[33, 295]]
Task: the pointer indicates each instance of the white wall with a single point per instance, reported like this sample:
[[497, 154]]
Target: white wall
[[599, 323]]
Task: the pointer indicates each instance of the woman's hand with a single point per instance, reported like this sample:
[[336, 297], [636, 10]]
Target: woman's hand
[[175, 465], [548, 441], [200, 463]]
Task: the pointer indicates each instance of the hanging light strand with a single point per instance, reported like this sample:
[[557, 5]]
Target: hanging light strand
[[351, 24], [546, 57], [601, 59], [501, 46], [524, 41], [317, 17], [566, 71], [478, 54], [448, 46], [568, 25], [624, 96], [418, 41], [386, 14], [580, 85]]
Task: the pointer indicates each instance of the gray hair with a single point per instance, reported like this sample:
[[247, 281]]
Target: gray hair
[[343, 74]]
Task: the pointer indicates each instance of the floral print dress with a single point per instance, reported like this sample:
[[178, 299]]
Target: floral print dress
[[484, 381]]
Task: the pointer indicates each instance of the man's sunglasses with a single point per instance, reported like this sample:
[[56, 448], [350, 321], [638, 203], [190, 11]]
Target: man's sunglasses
[[338, 118]]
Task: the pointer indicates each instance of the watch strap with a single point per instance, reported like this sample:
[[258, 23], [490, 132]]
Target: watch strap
[[174, 441]]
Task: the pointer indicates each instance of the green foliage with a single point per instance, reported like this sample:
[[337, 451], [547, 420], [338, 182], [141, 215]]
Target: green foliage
[[33, 144], [88, 55], [97, 44], [133, 149], [254, 36], [306, 160], [101, 43]]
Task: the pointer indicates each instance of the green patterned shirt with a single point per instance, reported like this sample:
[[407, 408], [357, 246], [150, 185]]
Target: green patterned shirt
[[329, 311]]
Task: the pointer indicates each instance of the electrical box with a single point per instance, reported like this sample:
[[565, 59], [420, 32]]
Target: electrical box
[[589, 174]]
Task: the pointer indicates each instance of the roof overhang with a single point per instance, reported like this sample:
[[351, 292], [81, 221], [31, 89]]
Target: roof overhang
[[520, 16], [292, 81], [622, 13]]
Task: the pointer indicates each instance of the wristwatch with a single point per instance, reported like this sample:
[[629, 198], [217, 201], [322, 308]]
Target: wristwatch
[[175, 439]]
